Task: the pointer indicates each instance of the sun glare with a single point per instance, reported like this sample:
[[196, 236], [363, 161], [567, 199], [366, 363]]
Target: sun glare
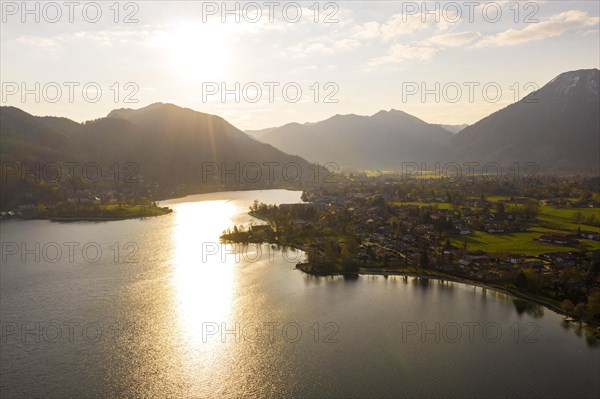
[[199, 52], [204, 285]]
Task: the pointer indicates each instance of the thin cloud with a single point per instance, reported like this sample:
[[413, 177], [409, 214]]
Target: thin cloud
[[555, 26], [399, 25]]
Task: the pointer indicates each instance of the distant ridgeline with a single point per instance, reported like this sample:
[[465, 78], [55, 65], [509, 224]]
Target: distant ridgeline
[[155, 152], [165, 151], [556, 128]]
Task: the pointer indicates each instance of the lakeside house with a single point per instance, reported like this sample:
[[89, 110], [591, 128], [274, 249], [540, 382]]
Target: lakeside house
[[590, 235]]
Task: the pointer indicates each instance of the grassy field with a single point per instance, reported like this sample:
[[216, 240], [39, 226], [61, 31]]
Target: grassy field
[[496, 198], [440, 205], [516, 243], [491, 198], [564, 218], [497, 244], [550, 220]]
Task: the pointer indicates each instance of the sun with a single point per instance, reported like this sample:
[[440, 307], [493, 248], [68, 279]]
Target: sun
[[199, 52]]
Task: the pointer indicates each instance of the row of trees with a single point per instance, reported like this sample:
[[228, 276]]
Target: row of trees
[[591, 220]]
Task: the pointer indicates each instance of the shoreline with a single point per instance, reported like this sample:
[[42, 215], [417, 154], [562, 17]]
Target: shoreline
[[302, 266], [445, 277], [307, 268], [164, 211], [67, 219], [158, 201], [95, 219], [480, 284], [436, 276]]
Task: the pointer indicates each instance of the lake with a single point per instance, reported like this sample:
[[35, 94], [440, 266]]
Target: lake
[[157, 307]]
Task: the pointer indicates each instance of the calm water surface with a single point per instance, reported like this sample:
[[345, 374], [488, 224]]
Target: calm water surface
[[156, 307]]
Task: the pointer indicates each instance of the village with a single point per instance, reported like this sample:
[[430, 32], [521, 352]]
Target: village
[[507, 241]]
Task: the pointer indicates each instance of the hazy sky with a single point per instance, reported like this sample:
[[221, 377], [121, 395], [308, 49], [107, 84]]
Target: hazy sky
[[367, 56]]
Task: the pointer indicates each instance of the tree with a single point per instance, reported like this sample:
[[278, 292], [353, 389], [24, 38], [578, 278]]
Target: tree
[[531, 209], [41, 208], [424, 260], [500, 208], [593, 304], [521, 280], [567, 306], [580, 310]]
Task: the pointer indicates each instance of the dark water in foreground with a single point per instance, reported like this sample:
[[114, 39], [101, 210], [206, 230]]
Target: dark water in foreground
[[166, 311]]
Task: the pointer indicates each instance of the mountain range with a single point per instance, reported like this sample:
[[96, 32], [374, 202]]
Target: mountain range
[[555, 127], [169, 145], [381, 140]]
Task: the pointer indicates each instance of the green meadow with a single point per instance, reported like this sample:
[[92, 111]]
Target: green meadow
[[564, 218], [439, 205], [516, 243], [550, 221]]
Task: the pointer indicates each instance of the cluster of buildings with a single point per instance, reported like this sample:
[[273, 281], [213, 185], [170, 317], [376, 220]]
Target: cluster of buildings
[[389, 233]]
